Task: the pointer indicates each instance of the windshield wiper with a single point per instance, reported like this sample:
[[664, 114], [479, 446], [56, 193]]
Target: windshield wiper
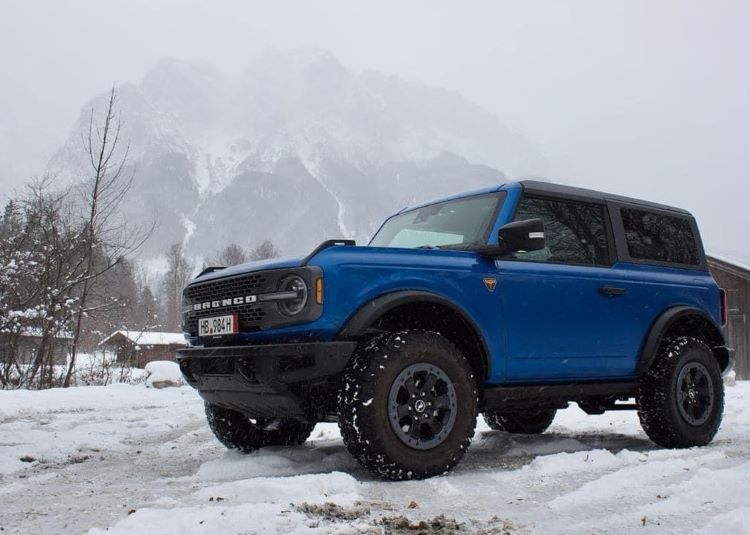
[[468, 246], [453, 247]]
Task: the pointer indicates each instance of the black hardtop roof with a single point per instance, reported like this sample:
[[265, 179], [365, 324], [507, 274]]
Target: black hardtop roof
[[549, 188]]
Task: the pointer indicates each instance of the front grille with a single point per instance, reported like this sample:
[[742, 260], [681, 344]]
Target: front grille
[[255, 316], [251, 315], [235, 286]]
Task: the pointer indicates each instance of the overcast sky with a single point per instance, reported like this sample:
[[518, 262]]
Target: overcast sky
[[645, 98]]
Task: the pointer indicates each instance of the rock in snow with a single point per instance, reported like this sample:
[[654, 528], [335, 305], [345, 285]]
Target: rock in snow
[[163, 374], [730, 379]]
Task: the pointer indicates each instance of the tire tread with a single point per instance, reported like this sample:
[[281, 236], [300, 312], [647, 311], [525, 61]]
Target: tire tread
[[356, 412], [656, 411], [237, 432]]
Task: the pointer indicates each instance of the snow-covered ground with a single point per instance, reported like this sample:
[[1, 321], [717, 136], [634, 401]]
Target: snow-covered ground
[[129, 459]]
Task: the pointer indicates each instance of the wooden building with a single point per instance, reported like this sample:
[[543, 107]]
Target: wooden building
[[21, 348], [735, 279], [141, 347]]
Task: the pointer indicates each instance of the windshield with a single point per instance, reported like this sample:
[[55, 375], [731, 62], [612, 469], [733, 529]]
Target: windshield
[[453, 224]]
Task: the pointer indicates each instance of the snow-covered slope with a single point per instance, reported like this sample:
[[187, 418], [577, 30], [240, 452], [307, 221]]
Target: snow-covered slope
[[296, 149], [133, 460]]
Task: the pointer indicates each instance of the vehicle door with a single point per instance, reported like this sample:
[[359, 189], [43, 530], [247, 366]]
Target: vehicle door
[[564, 309]]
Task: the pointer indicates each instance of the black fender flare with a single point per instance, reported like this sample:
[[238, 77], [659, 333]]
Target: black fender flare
[[359, 323], [661, 326]]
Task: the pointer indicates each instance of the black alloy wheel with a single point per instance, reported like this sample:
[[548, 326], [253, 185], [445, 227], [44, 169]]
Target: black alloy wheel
[[422, 406], [695, 393]]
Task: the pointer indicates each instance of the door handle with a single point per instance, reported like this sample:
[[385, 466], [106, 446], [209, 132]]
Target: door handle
[[611, 291]]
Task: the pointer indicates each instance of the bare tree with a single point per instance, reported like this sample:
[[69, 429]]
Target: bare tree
[[231, 255], [264, 251], [103, 191], [179, 271]]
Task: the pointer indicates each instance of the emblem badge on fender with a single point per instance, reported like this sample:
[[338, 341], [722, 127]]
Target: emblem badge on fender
[[490, 283]]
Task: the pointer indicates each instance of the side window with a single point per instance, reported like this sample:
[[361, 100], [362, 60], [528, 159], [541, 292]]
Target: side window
[[575, 232], [659, 237]]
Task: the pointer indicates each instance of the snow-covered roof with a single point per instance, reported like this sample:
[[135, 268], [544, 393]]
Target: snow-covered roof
[[148, 338], [35, 332], [728, 260]]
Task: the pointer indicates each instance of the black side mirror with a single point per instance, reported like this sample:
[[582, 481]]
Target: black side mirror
[[521, 236], [516, 237]]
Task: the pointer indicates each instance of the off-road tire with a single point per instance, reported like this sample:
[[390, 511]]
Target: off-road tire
[[659, 396], [239, 432], [365, 411], [523, 422]]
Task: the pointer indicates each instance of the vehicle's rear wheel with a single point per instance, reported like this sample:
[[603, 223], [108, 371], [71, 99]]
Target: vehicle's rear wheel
[[408, 405], [681, 398], [239, 432], [530, 422]]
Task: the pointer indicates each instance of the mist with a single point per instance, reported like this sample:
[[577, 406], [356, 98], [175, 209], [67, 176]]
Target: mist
[[638, 98]]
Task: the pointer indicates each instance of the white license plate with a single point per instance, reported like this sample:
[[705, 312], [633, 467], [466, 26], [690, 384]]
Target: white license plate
[[218, 325]]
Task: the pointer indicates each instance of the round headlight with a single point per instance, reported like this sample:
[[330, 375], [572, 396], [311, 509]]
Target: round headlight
[[293, 306]]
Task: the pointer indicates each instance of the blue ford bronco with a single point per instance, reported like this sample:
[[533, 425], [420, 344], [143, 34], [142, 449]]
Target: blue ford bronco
[[512, 301]]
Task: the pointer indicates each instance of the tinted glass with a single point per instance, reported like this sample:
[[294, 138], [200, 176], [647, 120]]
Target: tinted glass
[[575, 232], [454, 224], [659, 237]]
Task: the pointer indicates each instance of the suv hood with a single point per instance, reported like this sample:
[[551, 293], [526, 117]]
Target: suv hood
[[250, 267]]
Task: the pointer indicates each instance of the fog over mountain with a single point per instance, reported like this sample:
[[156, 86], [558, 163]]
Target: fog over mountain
[[639, 98], [297, 149]]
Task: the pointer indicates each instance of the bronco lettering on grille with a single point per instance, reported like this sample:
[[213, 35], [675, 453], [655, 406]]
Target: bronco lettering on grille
[[226, 302]]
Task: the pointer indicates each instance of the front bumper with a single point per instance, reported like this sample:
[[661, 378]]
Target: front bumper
[[269, 380]]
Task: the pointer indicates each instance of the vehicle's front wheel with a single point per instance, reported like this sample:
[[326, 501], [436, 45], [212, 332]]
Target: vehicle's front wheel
[[408, 405], [239, 432], [681, 398], [530, 422]]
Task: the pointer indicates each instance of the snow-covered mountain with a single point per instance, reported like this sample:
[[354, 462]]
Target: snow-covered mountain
[[297, 149]]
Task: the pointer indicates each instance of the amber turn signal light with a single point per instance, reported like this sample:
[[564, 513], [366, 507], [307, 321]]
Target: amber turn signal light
[[319, 291]]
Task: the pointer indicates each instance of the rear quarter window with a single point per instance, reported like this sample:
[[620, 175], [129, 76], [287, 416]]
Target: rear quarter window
[[660, 237]]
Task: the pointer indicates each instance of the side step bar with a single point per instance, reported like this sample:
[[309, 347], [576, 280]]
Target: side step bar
[[556, 394]]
